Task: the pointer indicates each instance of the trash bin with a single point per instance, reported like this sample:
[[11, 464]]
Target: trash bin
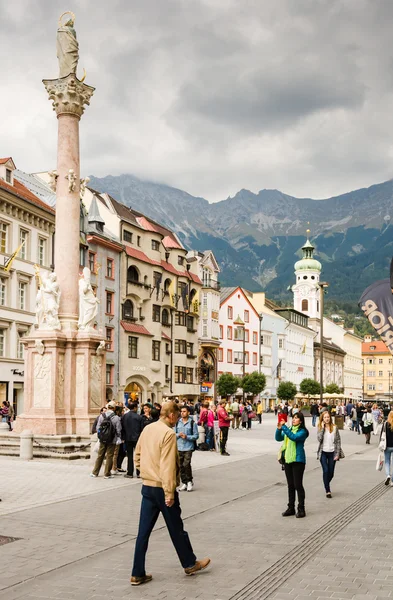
[[339, 421]]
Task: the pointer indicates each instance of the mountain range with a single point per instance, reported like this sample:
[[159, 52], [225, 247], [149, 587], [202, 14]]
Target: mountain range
[[257, 238]]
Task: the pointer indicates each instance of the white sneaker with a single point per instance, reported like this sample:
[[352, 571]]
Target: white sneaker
[[190, 486], [92, 475], [109, 477], [183, 487]]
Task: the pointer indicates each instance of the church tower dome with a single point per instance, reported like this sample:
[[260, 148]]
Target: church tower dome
[[306, 291]]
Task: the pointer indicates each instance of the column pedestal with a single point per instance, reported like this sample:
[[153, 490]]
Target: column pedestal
[[65, 383]]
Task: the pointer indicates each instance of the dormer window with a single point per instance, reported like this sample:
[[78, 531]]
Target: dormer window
[[7, 167], [8, 176]]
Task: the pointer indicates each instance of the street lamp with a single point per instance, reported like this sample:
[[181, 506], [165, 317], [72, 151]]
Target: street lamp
[[239, 323], [322, 286]]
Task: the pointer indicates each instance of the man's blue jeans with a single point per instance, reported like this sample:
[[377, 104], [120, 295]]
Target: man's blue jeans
[[153, 503], [328, 465], [388, 460], [314, 420]]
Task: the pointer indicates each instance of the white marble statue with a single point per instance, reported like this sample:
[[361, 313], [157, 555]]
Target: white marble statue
[[47, 304], [88, 303], [67, 46]]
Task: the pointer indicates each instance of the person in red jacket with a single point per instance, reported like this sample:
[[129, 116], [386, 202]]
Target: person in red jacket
[[224, 421]]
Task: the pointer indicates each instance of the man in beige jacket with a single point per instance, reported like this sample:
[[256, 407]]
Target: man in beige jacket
[[157, 459]]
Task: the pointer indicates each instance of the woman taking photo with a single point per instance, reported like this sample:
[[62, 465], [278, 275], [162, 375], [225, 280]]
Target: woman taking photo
[[329, 448], [294, 460]]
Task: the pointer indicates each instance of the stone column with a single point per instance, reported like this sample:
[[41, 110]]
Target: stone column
[[69, 97]]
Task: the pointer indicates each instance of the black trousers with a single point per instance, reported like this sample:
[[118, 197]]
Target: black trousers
[[121, 455], [130, 458], [223, 439], [185, 466], [294, 473]]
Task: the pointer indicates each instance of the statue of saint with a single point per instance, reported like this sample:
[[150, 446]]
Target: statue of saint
[[88, 303], [47, 304], [67, 46]]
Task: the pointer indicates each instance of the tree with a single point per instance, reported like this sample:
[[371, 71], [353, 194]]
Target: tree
[[310, 387], [332, 388], [227, 385], [254, 383], [286, 390]]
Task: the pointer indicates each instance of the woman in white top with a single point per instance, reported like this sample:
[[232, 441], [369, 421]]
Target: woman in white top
[[329, 449]]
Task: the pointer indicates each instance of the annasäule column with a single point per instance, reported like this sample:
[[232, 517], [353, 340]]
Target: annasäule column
[[69, 97]]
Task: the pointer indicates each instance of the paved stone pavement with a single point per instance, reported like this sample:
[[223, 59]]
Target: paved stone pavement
[[77, 534]]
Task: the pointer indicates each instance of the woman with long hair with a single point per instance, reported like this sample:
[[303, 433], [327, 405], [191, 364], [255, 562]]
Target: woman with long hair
[[329, 448], [293, 457], [388, 428], [376, 418], [368, 424]]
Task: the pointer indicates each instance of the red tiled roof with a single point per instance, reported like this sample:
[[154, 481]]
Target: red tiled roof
[[141, 256], [169, 242], [143, 222], [379, 347], [165, 336], [4, 160], [18, 189], [195, 278], [134, 328]]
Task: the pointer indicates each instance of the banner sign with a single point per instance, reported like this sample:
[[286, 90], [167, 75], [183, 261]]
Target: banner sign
[[377, 305]]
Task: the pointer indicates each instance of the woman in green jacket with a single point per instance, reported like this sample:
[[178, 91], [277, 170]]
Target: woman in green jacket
[[294, 457]]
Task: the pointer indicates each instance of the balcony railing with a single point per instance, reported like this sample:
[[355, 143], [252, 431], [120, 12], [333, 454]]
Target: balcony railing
[[213, 285]]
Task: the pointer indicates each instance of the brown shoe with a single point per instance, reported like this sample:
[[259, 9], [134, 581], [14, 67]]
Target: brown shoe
[[140, 580], [199, 566]]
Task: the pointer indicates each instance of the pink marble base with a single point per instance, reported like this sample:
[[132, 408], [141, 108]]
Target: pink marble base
[[65, 385]]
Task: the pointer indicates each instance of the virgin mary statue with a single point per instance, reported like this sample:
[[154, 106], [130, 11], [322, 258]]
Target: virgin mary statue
[[67, 47]]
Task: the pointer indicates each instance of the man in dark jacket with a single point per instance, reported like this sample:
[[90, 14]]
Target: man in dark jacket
[[314, 411], [132, 425]]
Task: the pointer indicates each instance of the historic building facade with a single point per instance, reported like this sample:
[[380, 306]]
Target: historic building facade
[[27, 223], [378, 369], [299, 346], [209, 330]]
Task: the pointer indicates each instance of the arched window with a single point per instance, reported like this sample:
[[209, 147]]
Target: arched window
[[165, 317], [304, 305], [132, 275], [167, 283], [128, 310]]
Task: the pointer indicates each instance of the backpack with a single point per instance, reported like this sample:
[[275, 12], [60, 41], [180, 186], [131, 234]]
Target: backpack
[[107, 430]]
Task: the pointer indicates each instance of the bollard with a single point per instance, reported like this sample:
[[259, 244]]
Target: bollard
[[26, 445]]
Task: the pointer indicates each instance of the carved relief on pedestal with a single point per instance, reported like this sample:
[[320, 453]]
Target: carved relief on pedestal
[[71, 180], [95, 382], [80, 381], [60, 382], [42, 380]]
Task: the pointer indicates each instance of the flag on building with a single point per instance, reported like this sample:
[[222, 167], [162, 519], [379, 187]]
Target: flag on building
[[171, 292], [185, 297], [304, 347]]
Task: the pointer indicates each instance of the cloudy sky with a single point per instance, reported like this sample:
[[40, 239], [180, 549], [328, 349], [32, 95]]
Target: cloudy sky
[[211, 95]]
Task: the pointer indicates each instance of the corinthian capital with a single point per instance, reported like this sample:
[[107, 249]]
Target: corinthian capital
[[68, 94]]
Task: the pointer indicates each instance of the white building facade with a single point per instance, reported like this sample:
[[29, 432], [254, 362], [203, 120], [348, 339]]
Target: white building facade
[[236, 303], [299, 346]]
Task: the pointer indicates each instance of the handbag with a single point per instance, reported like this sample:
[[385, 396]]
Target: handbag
[[341, 454], [380, 461], [382, 441]]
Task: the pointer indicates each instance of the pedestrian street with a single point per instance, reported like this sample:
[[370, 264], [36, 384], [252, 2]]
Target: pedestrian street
[[72, 537]]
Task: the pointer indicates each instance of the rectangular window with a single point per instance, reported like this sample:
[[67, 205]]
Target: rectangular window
[[238, 357], [246, 316], [3, 291], [20, 350], [380, 373], [22, 291], [2, 342], [156, 313], [109, 375], [238, 333], [180, 374], [109, 331], [255, 337], [127, 236], [281, 344], [370, 373], [23, 239], [41, 251], [247, 335], [180, 260], [109, 303], [190, 375], [156, 350], [390, 361], [229, 356], [109, 268], [254, 358], [220, 354], [247, 358], [230, 312], [371, 386], [229, 332], [3, 237], [380, 386], [138, 240], [157, 277], [380, 361], [190, 323], [180, 346], [92, 262], [167, 372], [8, 177], [190, 349], [132, 347], [371, 361], [155, 245], [221, 332], [180, 318]]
